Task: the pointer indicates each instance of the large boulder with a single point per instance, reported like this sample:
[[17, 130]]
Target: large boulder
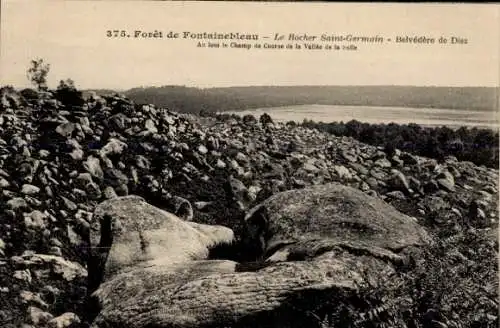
[[332, 214], [127, 232]]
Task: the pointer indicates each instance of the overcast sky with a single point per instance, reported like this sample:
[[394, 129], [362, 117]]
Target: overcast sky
[[71, 36]]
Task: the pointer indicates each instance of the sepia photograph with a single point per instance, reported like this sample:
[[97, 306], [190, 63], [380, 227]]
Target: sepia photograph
[[185, 164]]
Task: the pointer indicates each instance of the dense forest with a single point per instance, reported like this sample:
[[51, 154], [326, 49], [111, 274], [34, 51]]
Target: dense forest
[[479, 146], [194, 100]]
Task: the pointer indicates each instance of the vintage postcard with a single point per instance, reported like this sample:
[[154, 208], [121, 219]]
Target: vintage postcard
[[248, 164]]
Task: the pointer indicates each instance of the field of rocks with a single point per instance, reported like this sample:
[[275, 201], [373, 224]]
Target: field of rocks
[[59, 161]]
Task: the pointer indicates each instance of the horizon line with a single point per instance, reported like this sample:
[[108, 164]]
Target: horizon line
[[261, 85], [296, 85]]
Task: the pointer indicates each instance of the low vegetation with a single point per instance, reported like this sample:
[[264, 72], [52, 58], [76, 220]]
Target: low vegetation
[[453, 284]]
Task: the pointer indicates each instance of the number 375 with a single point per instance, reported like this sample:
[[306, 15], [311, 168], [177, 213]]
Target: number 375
[[116, 33]]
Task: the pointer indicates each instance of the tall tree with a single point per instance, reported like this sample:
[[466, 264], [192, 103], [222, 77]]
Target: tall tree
[[37, 73]]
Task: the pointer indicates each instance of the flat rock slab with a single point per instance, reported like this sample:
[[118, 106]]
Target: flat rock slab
[[208, 294]]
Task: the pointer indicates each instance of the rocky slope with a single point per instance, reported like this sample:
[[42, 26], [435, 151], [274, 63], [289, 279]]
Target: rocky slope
[[58, 163]]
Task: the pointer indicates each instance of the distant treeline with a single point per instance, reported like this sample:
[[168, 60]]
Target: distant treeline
[[194, 100], [479, 146]]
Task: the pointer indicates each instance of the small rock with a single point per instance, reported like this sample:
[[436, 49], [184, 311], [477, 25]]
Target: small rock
[[457, 212], [377, 173], [414, 183], [408, 159], [363, 186], [396, 161], [253, 191], [220, 164], [398, 182], [23, 275], [77, 154], [348, 157], [372, 182], [309, 167], [65, 320], [68, 204], [182, 208], [55, 250], [4, 183], [61, 267], [56, 242], [17, 204], [35, 220], [43, 153], [113, 147], [115, 177], [65, 129], [28, 297], [477, 215], [151, 126], [109, 193], [446, 181], [38, 317], [92, 165], [396, 194], [342, 172], [142, 162], [383, 163], [201, 205], [121, 190], [238, 190], [359, 168], [433, 204], [241, 158], [202, 149]]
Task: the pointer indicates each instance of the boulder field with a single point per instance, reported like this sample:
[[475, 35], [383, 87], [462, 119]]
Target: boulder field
[[112, 213]]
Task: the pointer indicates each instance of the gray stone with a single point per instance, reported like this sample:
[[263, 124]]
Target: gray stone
[[38, 317], [342, 172], [113, 147], [92, 165], [65, 320], [446, 181], [65, 129], [17, 204], [35, 220], [398, 182]]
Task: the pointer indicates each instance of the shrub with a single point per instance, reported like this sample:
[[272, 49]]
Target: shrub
[[249, 119], [29, 94], [68, 95], [265, 119]]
